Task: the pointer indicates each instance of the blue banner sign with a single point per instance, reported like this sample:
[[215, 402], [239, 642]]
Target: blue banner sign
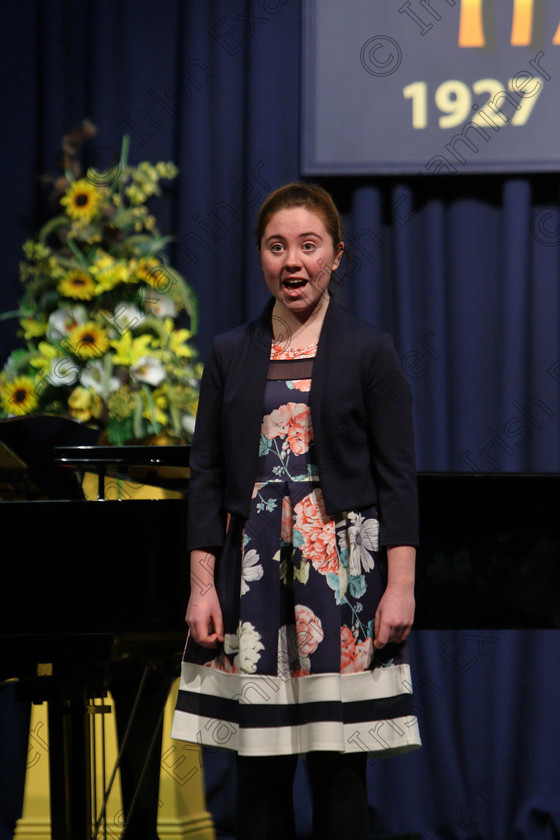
[[430, 86]]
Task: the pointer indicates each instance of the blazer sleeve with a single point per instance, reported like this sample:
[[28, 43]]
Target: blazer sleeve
[[206, 513], [389, 412]]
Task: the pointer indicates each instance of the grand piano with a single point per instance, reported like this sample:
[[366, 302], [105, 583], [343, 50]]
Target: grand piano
[[489, 558], [91, 587]]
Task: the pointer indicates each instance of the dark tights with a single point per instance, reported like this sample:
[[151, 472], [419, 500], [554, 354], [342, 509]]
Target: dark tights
[[264, 807]]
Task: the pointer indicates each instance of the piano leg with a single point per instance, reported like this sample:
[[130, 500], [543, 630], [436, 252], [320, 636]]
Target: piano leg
[[140, 695], [69, 760]]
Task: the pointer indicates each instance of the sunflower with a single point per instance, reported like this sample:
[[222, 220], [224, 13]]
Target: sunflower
[[87, 341], [19, 397], [78, 285], [82, 200]]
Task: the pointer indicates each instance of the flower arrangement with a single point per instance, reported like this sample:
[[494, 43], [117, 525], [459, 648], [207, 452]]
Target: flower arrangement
[[100, 306]]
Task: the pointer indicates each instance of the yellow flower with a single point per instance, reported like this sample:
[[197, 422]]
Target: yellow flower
[[32, 328], [130, 350], [36, 251], [19, 397], [84, 403], [178, 345], [77, 284], [82, 200], [87, 341], [109, 273], [145, 270], [102, 261], [160, 396], [160, 417], [166, 170], [46, 353], [176, 340]]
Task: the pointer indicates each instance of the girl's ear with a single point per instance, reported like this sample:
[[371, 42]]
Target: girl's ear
[[338, 255]]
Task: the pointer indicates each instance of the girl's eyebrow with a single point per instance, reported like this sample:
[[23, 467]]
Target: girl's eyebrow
[[300, 236]]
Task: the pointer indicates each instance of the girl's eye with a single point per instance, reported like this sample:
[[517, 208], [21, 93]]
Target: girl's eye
[[308, 246], [277, 247]]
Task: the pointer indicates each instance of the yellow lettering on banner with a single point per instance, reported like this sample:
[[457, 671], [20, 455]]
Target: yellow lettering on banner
[[471, 24], [471, 28], [522, 23]]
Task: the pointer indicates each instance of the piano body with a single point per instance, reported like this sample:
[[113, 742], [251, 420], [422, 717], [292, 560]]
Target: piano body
[[489, 558], [90, 585]]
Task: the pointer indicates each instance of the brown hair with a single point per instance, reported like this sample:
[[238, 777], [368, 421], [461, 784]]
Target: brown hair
[[298, 194]]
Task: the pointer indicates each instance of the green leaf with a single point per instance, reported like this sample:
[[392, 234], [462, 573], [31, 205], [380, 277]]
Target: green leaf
[[152, 409], [51, 226], [15, 313], [137, 419], [188, 298], [264, 446], [119, 431], [78, 254], [124, 151]]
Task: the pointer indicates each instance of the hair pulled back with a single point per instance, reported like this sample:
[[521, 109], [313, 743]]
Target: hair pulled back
[[297, 194]]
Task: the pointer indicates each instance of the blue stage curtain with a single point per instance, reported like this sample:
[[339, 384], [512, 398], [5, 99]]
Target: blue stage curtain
[[463, 271]]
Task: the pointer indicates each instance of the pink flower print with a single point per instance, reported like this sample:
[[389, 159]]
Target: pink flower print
[[302, 384], [317, 532], [287, 520], [355, 657], [275, 424], [347, 650], [309, 631], [292, 422], [284, 351], [363, 655], [221, 663]]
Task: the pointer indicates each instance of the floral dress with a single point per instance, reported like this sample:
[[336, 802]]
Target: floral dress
[[297, 670]]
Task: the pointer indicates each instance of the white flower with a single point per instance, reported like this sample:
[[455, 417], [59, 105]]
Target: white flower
[[63, 371], [363, 536], [62, 321], [247, 643], [161, 305], [187, 422], [126, 317], [289, 655], [249, 569], [147, 369], [92, 376]]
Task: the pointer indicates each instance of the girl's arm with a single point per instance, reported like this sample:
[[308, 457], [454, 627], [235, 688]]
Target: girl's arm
[[204, 614], [395, 612]]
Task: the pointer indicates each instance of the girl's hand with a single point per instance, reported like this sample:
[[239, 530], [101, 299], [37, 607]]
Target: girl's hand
[[204, 614], [204, 618], [394, 616], [395, 612]]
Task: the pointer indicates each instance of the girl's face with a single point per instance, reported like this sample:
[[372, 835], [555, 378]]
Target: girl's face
[[297, 257]]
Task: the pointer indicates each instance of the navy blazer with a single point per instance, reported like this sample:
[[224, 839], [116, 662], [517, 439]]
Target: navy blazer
[[362, 423]]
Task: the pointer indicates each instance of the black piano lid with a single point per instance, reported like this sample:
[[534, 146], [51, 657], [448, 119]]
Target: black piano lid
[[137, 455], [32, 439], [159, 466]]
